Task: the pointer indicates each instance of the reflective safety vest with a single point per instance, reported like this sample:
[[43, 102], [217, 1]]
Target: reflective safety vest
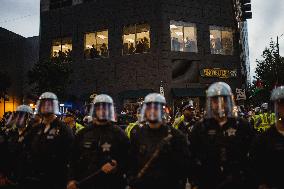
[[178, 121], [255, 120], [130, 127], [265, 122], [272, 119]]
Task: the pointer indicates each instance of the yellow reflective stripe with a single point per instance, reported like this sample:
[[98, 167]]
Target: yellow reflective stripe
[[255, 119], [178, 121], [79, 127], [129, 128]]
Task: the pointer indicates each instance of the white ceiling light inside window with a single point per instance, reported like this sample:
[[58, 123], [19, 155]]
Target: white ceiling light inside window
[[179, 33], [102, 36], [130, 40], [173, 26]]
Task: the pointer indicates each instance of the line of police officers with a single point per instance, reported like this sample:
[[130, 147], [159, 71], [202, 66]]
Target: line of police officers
[[219, 152]]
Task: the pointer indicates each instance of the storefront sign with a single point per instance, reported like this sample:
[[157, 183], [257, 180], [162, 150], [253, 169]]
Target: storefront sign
[[219, 73], [241, 94], [162, 92], [93, 96]]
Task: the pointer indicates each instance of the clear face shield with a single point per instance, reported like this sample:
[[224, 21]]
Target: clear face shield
[[18, 119], [10, 121], [22, 119], [103, 112], [47, 106], [279, 112], [220, 107], [153, 113]]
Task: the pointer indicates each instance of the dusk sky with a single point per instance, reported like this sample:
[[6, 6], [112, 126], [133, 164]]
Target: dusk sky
[[22, 17]]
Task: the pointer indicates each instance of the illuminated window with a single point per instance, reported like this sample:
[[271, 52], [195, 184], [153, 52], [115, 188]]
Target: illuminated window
[[221, 40], [62, 48], [136, 39], [96, 45], [183, 36]]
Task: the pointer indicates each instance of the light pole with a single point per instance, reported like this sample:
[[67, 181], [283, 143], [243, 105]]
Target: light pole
[[277, 44], [278, 58]]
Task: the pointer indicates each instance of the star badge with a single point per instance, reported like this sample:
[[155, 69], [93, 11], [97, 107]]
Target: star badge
[[231, 132], [106, 147]]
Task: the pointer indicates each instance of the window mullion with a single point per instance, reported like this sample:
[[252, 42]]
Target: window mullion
[[96, 36], [183, 38], [135, 36]]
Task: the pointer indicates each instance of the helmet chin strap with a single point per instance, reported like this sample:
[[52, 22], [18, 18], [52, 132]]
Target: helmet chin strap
[[102, 120], [154, 121]]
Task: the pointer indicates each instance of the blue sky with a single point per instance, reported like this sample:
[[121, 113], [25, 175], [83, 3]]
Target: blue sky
[[22, 17]]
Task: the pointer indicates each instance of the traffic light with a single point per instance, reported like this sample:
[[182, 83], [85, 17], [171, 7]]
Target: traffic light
[[246, 9]]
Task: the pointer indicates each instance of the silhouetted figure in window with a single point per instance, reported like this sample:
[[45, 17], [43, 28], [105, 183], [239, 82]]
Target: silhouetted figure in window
[[187, 45], [218, 45], [104, 50], [175, 44], [139, 47], [131, 49], [61, 55], [68, 55], [146, 44], [55, 54], [227, 45], [190, 45], [94, 53]]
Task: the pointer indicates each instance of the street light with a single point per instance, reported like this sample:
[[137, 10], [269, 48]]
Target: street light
[[278, 57], [277, 43]]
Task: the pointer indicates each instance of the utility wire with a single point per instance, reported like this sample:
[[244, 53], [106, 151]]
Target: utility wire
[[18, 18]]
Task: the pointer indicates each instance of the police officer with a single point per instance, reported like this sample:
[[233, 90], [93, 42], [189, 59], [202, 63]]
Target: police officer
[[159, 153], [220, 142], [264, 118], [267, 151], [4, 157], [49, 147], [187, 120], [255, 121], [17, 139], [100, 150], [69, 118], [133, 127]]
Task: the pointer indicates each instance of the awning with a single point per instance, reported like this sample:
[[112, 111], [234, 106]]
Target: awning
[[133, 94], [190, 92]]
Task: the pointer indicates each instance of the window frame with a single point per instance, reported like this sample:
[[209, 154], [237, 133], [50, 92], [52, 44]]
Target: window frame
[[96, 45], [60, 40], [222, 29], [184, 24], [135, 38]]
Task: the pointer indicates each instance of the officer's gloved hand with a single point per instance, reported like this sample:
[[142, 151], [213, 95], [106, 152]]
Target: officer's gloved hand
[[109, 167], [72, 185]]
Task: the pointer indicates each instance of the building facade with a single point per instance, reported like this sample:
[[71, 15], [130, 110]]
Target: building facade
[[128, 48], [245, 50], [17, 55]]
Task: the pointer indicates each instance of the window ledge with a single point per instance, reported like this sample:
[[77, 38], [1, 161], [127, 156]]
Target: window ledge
[[136, 54]]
